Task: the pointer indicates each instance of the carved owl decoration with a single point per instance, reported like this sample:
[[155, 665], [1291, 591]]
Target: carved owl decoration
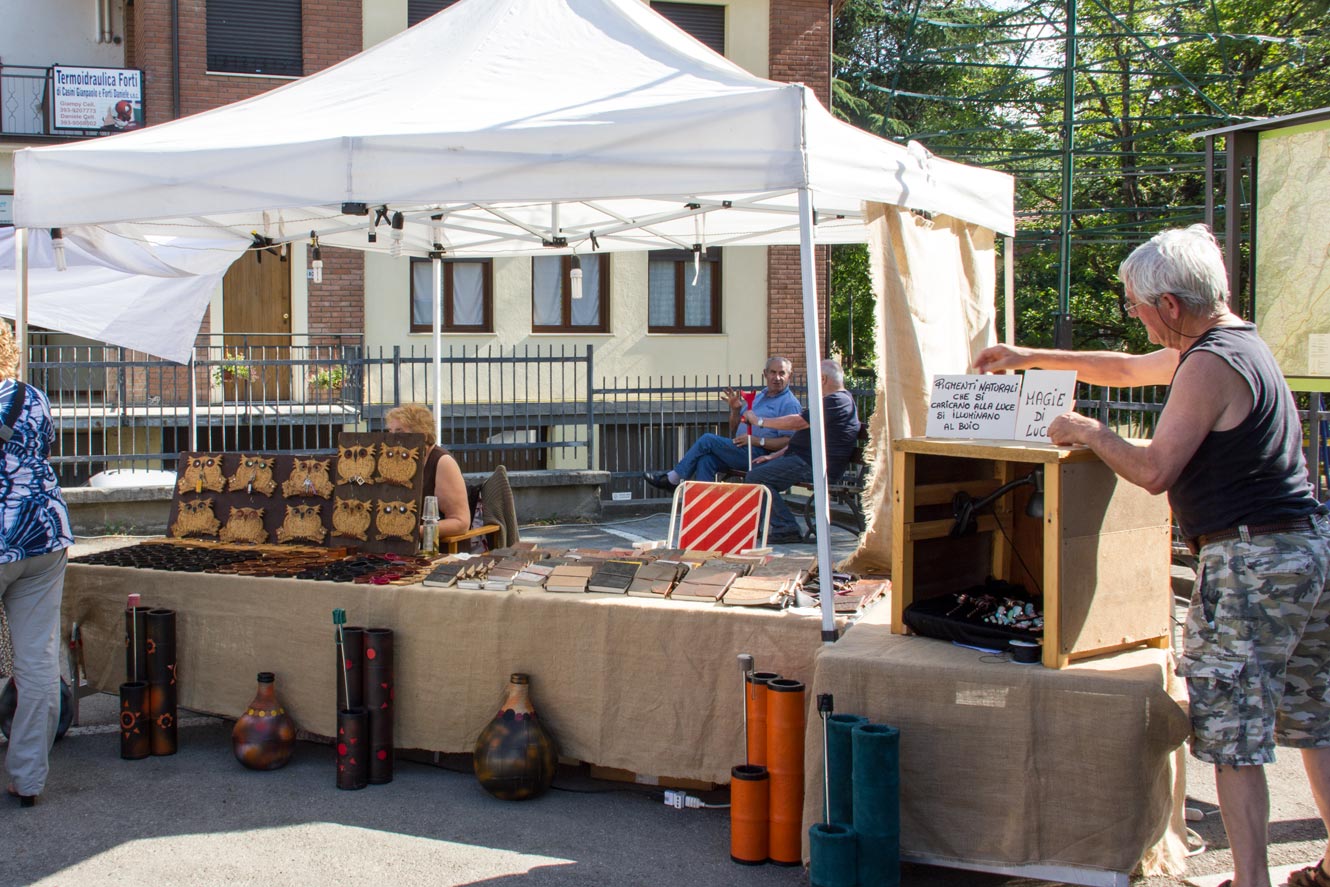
[[244, 525], [203, 471], [195, 518], [302, 523], [355, 465], [309, 477], [397, 465], [351, 518], [396, 519], [254, 475]]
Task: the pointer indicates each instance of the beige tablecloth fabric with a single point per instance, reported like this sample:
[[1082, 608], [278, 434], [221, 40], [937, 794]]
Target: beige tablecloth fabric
[[648, 686], [1005, 764]]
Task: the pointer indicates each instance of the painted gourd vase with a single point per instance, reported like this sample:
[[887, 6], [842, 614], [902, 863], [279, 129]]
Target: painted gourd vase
[[515, 755], [265, 735]]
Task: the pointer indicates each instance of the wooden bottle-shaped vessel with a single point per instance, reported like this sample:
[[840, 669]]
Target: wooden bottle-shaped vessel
[[515, 755], [265, 735]]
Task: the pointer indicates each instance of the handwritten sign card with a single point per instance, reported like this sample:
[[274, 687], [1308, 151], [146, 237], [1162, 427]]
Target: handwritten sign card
[[974, 406], [1045, 395]]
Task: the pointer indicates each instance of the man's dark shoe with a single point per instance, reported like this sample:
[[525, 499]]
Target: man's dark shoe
[[786, 537], [660, 480]]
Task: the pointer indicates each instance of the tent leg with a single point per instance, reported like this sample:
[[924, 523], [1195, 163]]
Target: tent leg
[[437, 264], [1009, 288], [813, 358], [193, 407], [21, 300]]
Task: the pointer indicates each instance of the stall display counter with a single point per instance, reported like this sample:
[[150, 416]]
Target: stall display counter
[[1099, 556]]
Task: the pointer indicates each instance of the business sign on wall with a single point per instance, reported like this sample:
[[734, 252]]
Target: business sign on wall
[[108, 99]]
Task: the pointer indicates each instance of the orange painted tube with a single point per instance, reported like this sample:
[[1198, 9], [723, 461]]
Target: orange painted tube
[[785, 763], [750, 792], [757, 716]]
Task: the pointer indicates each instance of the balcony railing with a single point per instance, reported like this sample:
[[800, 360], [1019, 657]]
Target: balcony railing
[[25, 104]]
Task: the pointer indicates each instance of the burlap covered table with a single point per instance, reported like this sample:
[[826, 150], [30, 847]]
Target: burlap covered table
[[1065, 774], [647, 686]]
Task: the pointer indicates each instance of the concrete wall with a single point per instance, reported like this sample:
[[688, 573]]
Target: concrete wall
[[538, 495]]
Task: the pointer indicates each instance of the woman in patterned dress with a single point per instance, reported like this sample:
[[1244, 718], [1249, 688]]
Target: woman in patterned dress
[[34, 534]]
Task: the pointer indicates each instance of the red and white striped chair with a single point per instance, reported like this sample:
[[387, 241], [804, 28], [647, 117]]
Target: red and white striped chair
[[719, 517]]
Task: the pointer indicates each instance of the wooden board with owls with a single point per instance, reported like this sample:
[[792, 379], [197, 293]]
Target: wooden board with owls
[[253, 498], [378, 486]]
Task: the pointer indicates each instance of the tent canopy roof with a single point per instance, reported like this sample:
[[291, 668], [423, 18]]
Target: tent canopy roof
[[523, 126]]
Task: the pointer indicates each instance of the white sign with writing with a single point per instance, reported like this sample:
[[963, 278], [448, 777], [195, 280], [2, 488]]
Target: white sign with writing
[[109, 99], [1045, 395], [977, 406]]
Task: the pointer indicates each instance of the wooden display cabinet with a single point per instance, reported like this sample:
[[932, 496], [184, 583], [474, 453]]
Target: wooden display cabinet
[[1099, 556]]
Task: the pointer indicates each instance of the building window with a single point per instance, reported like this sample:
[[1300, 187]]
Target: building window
[[255, 38], [683, 297], [468, 296], [553, 308], [705, 23], [419, 10]]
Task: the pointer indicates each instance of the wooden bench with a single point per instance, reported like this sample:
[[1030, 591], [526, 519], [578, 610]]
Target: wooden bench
[[843, 497]]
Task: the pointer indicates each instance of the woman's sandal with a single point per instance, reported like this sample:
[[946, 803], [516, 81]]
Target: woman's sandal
[[1311, 876], [23, 800]]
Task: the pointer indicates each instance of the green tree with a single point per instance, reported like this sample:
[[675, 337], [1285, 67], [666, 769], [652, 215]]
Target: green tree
[[981, 81]]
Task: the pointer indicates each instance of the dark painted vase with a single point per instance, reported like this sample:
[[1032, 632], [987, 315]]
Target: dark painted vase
[[265, 735], [515, 755]]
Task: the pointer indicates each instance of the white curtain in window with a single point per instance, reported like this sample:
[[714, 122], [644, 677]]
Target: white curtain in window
[[547, 290], [660, 293], [586, 310], [697, 297], [468, 293], [422, 294]]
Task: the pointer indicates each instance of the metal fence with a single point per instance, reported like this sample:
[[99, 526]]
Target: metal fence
[[528, 408], [25, 103]]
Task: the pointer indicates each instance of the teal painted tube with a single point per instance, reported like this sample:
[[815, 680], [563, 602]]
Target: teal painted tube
[[876, 799], [840, 766], [832, 855]]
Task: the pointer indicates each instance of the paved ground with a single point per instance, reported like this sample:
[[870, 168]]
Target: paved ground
[[198, 818]]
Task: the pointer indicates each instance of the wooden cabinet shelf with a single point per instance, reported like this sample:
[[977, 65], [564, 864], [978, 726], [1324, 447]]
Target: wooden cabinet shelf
[[1099, 556]]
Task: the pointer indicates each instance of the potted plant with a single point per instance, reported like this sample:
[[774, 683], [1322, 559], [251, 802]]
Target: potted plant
[[329, 378], [232, 367]]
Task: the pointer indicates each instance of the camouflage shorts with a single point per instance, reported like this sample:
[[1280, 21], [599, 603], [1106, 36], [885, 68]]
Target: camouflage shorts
[[1257, 650]]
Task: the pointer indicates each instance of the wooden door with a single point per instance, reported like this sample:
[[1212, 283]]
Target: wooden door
[[256, 306]]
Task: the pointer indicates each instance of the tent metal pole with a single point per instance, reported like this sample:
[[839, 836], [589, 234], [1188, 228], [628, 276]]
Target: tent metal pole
[[1009, 288], [21, 301], [437, 267], [813, 358], [193, 405]]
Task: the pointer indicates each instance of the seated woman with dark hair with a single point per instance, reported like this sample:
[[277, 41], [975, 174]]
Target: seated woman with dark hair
[[443, 477]]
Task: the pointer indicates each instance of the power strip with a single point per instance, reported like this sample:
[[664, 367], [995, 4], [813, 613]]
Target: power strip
[[680, 799]]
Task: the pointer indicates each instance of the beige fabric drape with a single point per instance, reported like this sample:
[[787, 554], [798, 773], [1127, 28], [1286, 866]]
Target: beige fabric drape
[[935, 282]]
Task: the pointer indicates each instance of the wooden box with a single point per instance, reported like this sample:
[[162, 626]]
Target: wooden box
[[1099, 556]]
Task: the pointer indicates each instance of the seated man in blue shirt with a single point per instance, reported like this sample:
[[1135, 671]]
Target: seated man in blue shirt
[[794, 464], [713, 452]]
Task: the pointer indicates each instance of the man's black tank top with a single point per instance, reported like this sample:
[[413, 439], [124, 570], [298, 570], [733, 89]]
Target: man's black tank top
[[1254, 473]]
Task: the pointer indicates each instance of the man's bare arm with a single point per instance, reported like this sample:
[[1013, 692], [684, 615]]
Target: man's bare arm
[[1112, 368]]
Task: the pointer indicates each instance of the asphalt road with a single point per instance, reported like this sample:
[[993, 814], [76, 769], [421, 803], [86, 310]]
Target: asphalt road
[[199, 818]]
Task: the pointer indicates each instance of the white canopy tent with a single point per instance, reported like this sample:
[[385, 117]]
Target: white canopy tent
[[514, 127]]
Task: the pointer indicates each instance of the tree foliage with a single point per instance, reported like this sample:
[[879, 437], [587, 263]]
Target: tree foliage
[[982, 82]]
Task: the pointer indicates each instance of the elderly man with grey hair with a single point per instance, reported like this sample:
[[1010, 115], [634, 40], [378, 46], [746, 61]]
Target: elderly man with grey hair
[[711, 453], [1228, 451], [794, 464]]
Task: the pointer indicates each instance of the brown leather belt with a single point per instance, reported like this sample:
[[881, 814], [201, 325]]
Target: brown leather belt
[[1283, 526]]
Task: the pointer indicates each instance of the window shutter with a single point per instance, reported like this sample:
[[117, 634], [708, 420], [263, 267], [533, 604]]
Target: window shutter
[[255, 38], [705, 23], [419, 10]]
